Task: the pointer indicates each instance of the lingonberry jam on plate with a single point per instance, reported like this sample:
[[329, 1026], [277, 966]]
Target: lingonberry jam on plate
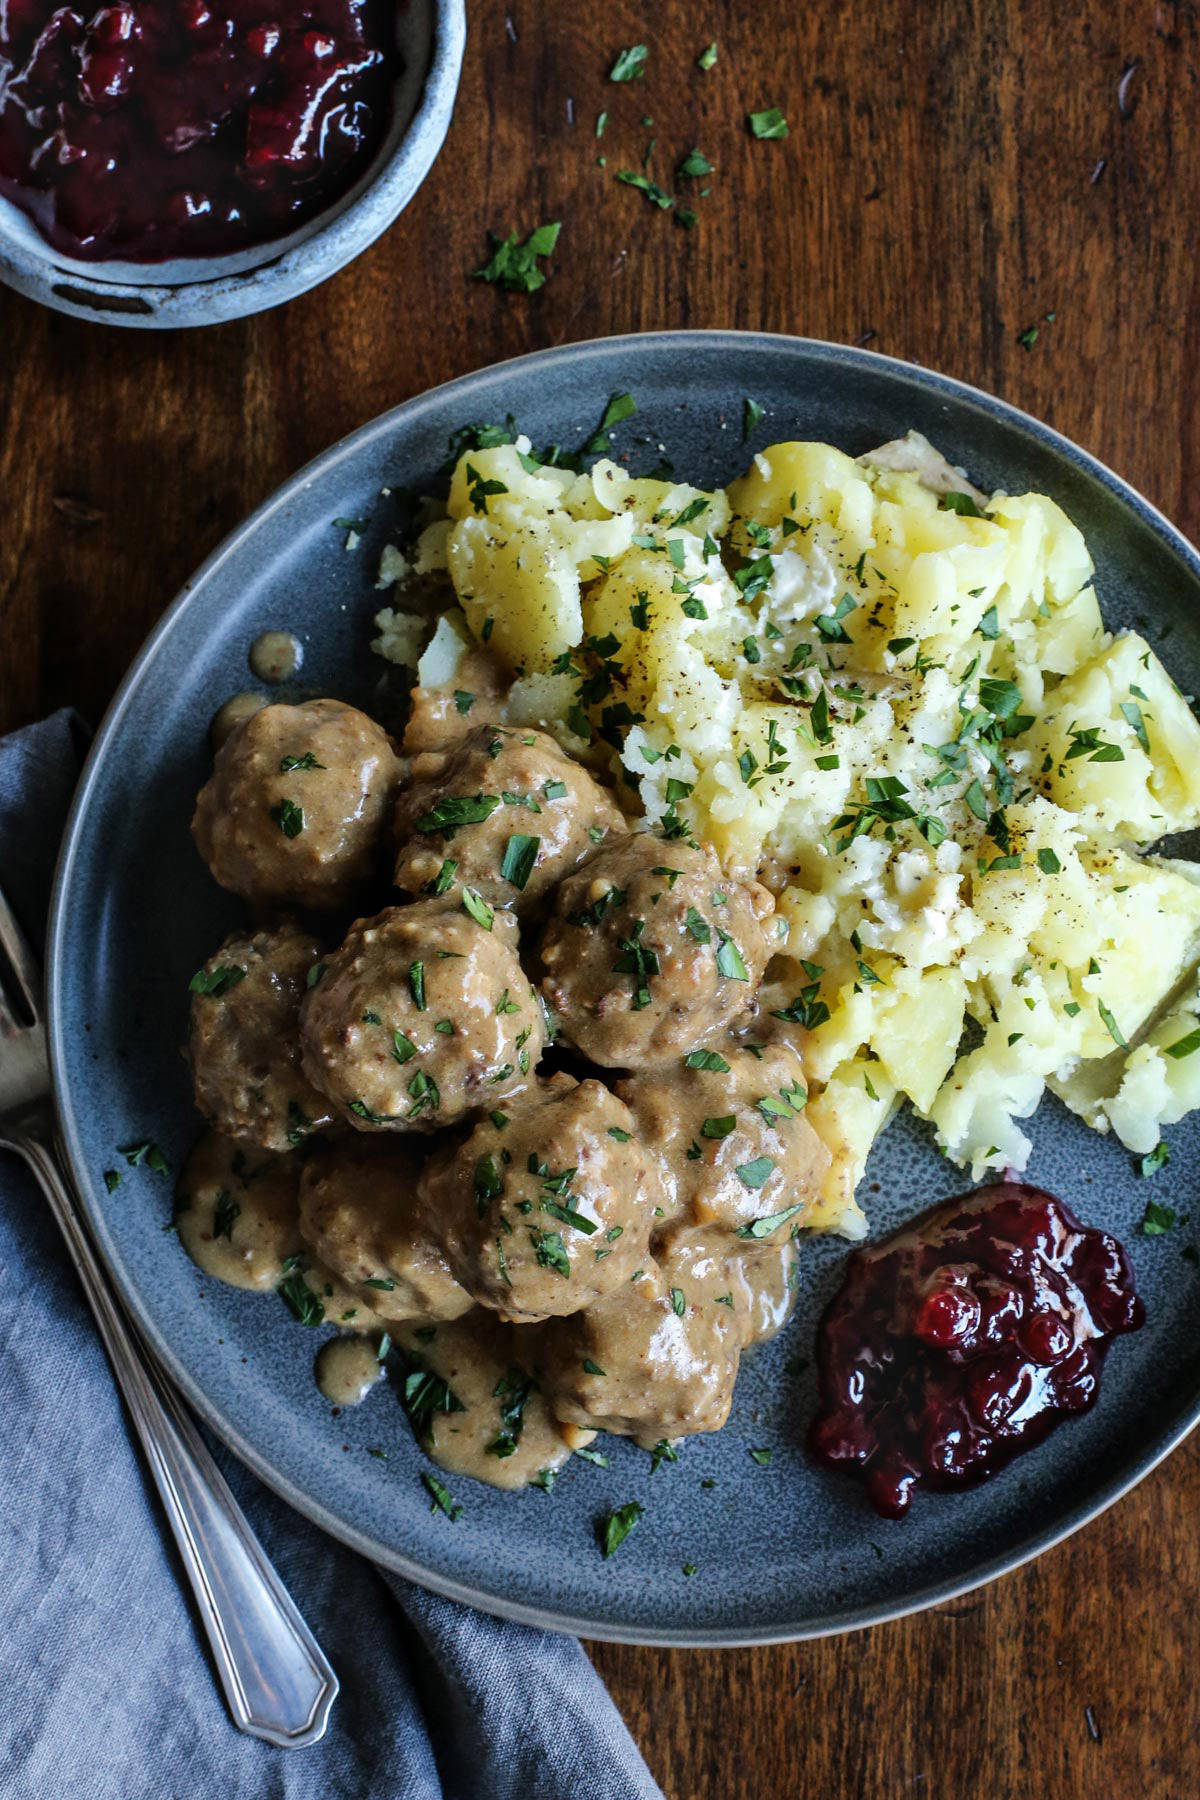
[[173, 128], [964, 1338]]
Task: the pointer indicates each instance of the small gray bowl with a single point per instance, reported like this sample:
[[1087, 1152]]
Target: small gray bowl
[[431, 36]]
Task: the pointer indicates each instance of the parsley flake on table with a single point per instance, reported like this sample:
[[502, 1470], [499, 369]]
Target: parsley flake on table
[[630, 64], [514, 265], [707, 58], [770, 123], [654, 194]]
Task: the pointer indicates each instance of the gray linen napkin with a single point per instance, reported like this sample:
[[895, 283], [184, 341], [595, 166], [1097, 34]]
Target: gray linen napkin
[[107, 1690]]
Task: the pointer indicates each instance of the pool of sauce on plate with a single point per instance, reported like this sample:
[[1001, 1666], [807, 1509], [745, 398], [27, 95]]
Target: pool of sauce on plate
[[276, 656], [150, 129], [963, 1339], [347, 1368]]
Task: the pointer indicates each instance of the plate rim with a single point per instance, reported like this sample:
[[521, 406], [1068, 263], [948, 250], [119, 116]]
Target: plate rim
[[1180, 1423]]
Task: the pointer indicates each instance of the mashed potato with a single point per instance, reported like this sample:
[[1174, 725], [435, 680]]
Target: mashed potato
[[896, 700]]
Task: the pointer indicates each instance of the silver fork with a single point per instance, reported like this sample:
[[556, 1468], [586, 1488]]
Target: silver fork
[[276, 1678]]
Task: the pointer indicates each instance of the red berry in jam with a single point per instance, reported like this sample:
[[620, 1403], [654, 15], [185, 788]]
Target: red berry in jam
[[964, 1338], [167, 128]]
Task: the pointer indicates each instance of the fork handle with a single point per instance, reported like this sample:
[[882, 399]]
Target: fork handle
[[276, 1678]]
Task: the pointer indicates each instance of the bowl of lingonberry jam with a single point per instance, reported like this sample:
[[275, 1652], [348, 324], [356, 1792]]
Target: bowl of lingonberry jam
[[181, 162]]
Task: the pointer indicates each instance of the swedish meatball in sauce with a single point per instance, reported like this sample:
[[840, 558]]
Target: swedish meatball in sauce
[[543, 1209], [423, 1017], [294, 812], [504, 812], [244, 1043], [651, 950]]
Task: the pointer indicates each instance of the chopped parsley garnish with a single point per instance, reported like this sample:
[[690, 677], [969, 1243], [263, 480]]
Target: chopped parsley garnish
[[694, 164], [443, 881], [1048, 862], [443, 1499], [424, 1396], [301, 1302], [1157, 1219], [216, 982], [1155, 1160], [616, 1527], [1184, 1046], [761, 1457], [478, 908], [963, 504], [362, 1111], [112, 1180], [719, 1127], [663, 1451], [416, 982], [513, 265], [753, 1175], [550, 1251], [729, 960], [698, 925], [1132, 714], [1086, 741], [622, 1136], [630, 64], [453, 810], [298, 1124], [307, 761], [314, 974], [707, 58], [423, 1091], [1111, 1026], [769, 123], [639, 960], [489, 1183], [593, 1456], [520, 855], [620, 407], [289, 817], [761, 1228], [146, 1152], [226, 1213], [593, 1368], [512, 1390], [555, 790], [706, 1059], [752, 412], [655, 195], [678, 1302]]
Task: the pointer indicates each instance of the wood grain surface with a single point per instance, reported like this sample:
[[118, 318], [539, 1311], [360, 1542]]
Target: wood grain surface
[[953, 175]]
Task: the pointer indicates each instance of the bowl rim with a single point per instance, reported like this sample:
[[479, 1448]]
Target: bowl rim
[[34, 268], [1124, 1476]]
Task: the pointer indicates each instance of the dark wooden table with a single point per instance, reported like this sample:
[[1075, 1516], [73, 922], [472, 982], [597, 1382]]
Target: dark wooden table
[[953, 175]]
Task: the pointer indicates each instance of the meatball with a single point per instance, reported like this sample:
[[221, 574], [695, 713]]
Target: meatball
[[503, 812], [735, 1152], [422, 1017], [543, 1211], [244, 1044], [654, 1360], [359, 1217], [235, 1212], [651, 951], [294, 810]]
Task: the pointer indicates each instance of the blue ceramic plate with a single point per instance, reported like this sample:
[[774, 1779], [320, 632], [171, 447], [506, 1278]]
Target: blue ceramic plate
[[779, 1552]]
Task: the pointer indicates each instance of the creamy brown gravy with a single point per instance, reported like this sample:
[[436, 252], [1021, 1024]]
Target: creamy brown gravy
[[347, 1368], [276, 656]]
